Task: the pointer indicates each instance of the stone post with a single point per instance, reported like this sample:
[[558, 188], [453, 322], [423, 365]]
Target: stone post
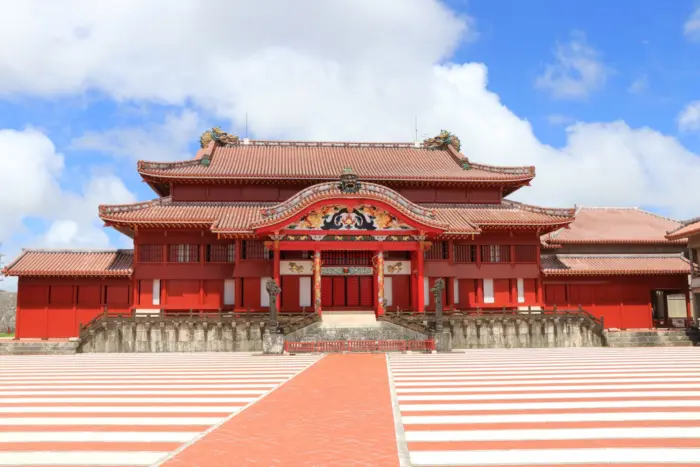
[[443, 338], [273, 340]]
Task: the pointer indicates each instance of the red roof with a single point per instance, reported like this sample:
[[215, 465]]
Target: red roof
[[614, 226], [89, 263], [590, 265], [242, 217], [685, 230], [297, 160]]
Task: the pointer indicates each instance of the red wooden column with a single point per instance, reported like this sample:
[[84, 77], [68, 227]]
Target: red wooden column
[[380, 283], [237, 281], [317, 282], [540, 300], [420, 289], [688, 307]]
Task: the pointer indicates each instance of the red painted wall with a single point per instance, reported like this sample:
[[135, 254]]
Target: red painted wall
[[625, 302], [55, 307], [234, 192]]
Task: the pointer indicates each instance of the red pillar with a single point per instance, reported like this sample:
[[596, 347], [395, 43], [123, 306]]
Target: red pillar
[[276, 264], [237, 281], [540, 300], [688, 308], [317, 282], [419, 278], [379, 272]]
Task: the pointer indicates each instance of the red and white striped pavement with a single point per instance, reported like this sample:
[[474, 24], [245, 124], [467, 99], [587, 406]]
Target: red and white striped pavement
[[124, 409], [527, 407]]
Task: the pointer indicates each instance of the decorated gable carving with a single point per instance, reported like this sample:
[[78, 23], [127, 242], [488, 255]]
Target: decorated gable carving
[[363, 217]]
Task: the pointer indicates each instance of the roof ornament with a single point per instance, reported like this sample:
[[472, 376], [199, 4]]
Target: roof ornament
[[218, 135], [442, 140], [348, 181]]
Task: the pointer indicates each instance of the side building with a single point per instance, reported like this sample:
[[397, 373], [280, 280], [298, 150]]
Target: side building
[[618, 263], [690, 231]]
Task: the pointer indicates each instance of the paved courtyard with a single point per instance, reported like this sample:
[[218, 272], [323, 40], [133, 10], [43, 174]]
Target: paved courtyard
[[520, 407]]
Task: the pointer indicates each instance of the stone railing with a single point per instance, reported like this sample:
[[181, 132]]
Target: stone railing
[[194, 331], [509, 328]]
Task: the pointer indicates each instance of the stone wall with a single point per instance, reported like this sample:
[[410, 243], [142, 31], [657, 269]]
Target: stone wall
[[8, 306], [382, 331], [196, 336], [519, 331]]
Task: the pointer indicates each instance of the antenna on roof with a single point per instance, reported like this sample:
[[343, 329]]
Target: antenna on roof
[[2, 276], [416, 126]]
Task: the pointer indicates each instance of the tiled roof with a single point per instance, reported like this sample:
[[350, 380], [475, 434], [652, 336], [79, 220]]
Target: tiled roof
[[242, 217], [294, 160], [590, 265], [506, 214], [90, 263], [614, 226], [685, 230]]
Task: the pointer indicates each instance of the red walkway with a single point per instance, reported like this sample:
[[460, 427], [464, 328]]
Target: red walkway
[[336, 413]]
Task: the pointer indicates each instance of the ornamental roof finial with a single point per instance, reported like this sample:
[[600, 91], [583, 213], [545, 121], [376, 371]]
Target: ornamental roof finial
[[349, 181], [218, 135], [442, 140]]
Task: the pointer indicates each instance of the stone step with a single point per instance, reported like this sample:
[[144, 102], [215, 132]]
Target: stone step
[[650, 338], [13, 347], [651, 344]]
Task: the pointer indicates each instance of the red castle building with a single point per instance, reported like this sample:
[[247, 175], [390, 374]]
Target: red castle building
[[350, 226]]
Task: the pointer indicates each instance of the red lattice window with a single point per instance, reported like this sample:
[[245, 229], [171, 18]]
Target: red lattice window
[[346, 258], [220, 253], [150, 253], [526, 253], [495, 253], [465, 253], [184, 253], [438, 252], [254, 249]]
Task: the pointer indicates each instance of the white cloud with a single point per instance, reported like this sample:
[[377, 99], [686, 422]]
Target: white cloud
[[30, 174], [689, 118], [153, 142], [639, 85], [691, 28], [332, 70], [577, 71], [559, 120]]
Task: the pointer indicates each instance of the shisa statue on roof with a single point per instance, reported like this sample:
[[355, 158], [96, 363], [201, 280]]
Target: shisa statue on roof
[[218, 135], [442, 140]]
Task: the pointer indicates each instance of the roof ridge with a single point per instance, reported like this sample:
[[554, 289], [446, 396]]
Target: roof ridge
[[562, 212], [629, 208], [112, 208], [617, 255], [77, 250]]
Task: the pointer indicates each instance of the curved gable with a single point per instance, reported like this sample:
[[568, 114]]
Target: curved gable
[[370, 207]]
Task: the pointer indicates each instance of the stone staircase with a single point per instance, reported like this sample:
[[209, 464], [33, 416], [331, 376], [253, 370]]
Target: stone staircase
[[658, 338], [352, 326], [13, 347]]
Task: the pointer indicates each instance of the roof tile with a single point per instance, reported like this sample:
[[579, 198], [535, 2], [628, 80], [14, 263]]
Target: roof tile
[[685, 230], [95, 263], [325, 161], [588, 265], [614, 225]]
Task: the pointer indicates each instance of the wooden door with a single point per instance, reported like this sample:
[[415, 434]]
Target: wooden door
[[352, 289], [339, 291], [366, 292], [401, 292], [326, 292]]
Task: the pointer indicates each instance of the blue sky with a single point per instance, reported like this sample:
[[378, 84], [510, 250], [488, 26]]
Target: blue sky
[[601, 96]]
